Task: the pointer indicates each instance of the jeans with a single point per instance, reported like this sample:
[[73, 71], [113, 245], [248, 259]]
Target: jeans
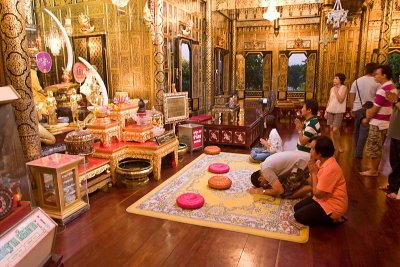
[[394, 177], [309, 212], [360, 134], [259, 154]]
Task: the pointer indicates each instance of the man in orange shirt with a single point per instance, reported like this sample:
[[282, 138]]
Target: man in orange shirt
[[330, 202]]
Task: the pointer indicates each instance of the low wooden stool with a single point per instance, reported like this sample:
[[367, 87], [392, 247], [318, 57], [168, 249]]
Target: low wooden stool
[[137, 133], [105, 131]]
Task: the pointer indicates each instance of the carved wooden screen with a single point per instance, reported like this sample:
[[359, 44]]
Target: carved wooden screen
[[196, 76], [283, 71], [267, 76], [93, 49], [311, 71]]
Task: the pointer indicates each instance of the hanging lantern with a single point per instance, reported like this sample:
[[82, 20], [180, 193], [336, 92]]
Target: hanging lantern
[[336, 18], [120, 3], [54, 41]]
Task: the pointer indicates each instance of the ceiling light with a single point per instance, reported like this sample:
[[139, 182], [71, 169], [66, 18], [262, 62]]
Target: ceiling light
[[271, 14]]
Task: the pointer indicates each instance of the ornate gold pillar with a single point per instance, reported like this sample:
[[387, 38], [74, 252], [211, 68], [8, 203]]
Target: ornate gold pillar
[[322, 60], [17, 72], [158, 55], [362, 45], [384, 34], [209, 61], [234, 43]]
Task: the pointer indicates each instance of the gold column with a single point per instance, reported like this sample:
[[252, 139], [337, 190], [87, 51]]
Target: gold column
[[362, 45], [234, 43], [384, 34], [17, 72], [158, 55], [209, 61], [322, 60]]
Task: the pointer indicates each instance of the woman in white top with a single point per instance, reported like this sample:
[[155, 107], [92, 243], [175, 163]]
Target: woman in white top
[[269, 146], [336, 108]]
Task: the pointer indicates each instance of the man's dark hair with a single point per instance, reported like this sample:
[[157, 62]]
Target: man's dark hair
[[341, 77], [313, 105], [254, 178], [323, 146], [370, 68], [270, 121], [386, 70]]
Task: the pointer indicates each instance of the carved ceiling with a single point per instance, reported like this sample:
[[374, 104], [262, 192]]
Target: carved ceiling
[[224, 5]]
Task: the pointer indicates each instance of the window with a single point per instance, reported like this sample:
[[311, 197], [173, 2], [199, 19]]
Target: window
[[297, 67], [254, 72]]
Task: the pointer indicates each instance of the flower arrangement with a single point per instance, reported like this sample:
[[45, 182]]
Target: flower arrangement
[[121, 100], [100, 111]]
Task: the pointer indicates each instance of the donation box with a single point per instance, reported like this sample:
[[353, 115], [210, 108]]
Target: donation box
[[192, 135], [56, 186]]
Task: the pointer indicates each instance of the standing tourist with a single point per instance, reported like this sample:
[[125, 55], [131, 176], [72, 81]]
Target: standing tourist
[[336, 108], [362, 90], [379, 119]]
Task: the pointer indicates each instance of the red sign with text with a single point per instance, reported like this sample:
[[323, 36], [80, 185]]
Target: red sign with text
[[197, 137]]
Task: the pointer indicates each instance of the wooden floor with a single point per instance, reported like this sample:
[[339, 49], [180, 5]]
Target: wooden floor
[[106, 235]]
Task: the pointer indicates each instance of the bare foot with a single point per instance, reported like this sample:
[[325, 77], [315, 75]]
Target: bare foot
[[253, 160], [296, 224], [391, 195], [341, 220], [383, 187], [369, 173]]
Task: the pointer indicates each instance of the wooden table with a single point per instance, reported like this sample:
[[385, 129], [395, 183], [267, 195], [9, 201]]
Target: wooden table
[[96, 172], [149, 150], [105, 131], [233, 111]]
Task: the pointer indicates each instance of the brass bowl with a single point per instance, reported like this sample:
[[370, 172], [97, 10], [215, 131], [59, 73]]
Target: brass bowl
[[134, 172], [182, 150]]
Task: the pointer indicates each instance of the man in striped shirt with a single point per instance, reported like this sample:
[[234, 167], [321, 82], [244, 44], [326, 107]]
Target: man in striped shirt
[[379, 119], [310, 127]]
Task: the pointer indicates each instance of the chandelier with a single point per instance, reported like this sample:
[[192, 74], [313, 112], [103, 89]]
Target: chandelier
[[120, 3], [336, 18], [271, 14], [54, 41]]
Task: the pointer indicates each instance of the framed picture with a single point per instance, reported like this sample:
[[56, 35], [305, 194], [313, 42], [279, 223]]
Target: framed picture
[[176, 107]]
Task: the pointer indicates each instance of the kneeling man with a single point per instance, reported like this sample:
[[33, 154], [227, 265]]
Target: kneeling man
[[284, 175]]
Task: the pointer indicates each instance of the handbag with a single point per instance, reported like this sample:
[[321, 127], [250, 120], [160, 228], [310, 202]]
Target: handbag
[[366, 105]]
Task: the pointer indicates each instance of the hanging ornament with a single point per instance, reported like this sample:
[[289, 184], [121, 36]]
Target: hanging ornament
[[337, 16]]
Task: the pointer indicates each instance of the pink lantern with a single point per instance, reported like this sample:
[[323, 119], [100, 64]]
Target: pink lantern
[[43, 60], [79, 71]]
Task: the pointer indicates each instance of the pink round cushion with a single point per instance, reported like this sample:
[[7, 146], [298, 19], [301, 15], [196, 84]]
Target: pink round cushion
[[212, 150], [219, 182], [218, 168], [190, 201]]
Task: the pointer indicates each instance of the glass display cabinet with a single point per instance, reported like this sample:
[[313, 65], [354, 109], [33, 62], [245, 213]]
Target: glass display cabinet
[[15, 194], [56, 186]]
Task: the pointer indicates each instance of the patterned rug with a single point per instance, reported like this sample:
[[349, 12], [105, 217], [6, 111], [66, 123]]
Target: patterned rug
[[234, 209]]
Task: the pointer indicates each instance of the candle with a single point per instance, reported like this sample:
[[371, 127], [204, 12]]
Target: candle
[[18, 199]]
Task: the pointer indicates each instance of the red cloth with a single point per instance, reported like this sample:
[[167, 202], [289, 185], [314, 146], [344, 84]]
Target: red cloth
[[199, 118]]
